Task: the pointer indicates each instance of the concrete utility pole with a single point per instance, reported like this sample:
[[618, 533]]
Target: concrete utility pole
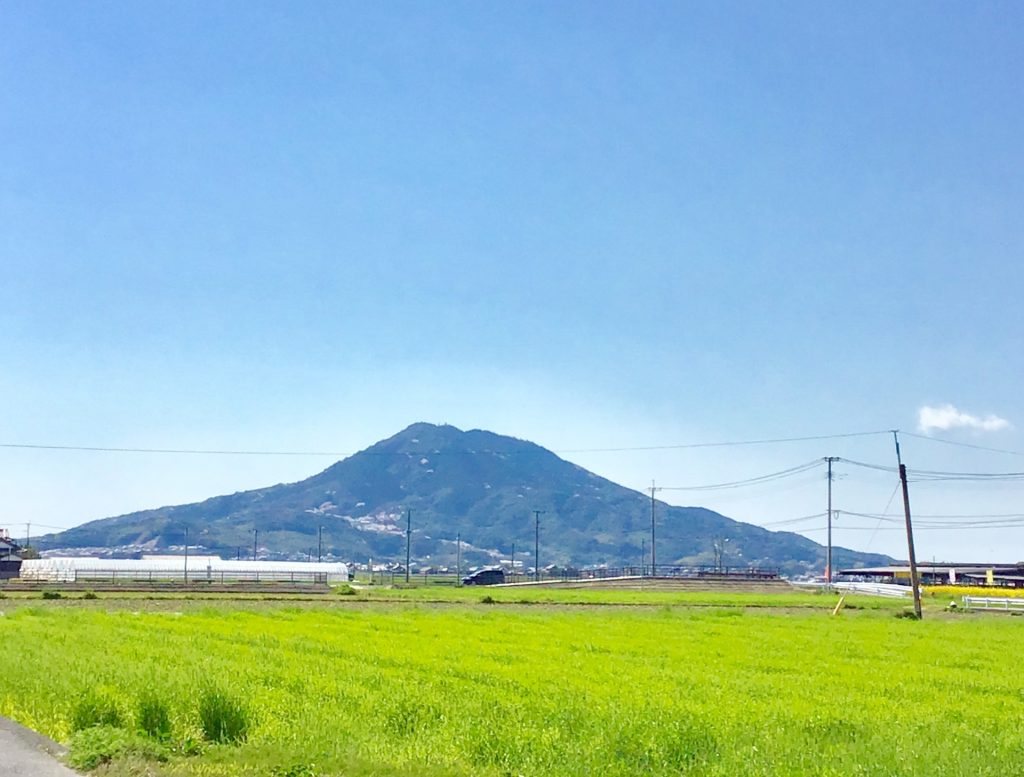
[[536, 544], [408, 541], [513, 560], [320, 544], [654, 570], [458, 559], [28, 534], [828, 561], [915, 580], [186, 554], [255, 542]]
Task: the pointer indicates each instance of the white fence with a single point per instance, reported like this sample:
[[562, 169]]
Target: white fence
[[868, 589], [993, 603]]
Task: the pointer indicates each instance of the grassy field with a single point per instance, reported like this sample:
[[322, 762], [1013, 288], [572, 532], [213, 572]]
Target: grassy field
[[473, 689]]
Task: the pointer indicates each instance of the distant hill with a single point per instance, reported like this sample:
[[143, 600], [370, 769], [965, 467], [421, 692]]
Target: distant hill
[[481, 485]]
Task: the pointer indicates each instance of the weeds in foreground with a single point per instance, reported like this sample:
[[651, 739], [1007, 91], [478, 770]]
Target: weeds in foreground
[[97, 707], [153, 716], [222, 717]]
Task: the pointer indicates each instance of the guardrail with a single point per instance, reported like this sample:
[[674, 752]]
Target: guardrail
[[874, 589], [869, 589], [1000, 604]]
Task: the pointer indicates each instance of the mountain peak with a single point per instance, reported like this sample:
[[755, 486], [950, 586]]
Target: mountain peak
[[475, 484]]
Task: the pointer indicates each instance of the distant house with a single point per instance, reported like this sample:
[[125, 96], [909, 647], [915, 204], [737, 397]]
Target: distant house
[[10, 561]]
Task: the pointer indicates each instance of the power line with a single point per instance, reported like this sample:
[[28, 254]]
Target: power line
[[938, 522], [921, 475], [725, 444], [963, 444], [797, 470], [482, 451], [884, 510], [790, 521]]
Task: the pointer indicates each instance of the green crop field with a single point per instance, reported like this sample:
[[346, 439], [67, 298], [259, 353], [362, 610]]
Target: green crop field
[[408, 688]]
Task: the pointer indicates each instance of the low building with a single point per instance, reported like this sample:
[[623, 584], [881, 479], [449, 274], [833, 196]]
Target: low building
[[944, 573], [10, 558]]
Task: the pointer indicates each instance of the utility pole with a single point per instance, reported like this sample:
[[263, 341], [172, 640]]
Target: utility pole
[[408, 540], [255, 542], [28, 534], [458, 559], [513, 560], [828, 558], [915, 581], [186, 554], [238, 553], [654, 560], [643, 554], [319, 544], [536, 544]]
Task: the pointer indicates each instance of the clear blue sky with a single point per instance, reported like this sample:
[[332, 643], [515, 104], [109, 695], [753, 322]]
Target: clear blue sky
[[305, 226]]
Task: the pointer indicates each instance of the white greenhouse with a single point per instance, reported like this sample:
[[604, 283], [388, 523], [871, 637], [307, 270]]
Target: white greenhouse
[[211, 569]]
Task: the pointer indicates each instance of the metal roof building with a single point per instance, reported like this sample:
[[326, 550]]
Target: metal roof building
[[946, 573]]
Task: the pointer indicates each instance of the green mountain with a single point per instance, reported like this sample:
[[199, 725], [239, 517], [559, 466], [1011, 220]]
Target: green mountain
[[477, 485]]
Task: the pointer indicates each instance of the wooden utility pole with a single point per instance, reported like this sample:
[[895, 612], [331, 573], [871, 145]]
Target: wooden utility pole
[[915, 580], [408, 541], [536, 544]]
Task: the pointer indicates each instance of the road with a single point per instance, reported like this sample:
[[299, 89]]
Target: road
[[24, 753]]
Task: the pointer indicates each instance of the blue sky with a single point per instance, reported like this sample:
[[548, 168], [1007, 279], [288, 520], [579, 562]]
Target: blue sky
[[262, 225]]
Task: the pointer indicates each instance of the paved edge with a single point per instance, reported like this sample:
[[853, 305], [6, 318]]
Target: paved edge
[[34, 739]]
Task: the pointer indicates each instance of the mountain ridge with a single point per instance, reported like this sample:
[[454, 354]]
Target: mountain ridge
[[476, 484]]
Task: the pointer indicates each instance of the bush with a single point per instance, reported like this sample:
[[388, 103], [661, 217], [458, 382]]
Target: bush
[[90, 595], [96, 746], [345, 590], [222, 717], [908, 614], [52, 595], [153, 716], [96, 707], [488, 600]]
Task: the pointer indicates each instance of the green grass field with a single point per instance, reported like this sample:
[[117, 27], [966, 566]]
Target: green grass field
[[470, 689]]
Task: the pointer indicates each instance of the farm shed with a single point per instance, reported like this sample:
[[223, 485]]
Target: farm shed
[[10, 561], [72, 569], [943, 573]]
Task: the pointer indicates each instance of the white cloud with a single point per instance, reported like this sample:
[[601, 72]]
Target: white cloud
[[942, 418]]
